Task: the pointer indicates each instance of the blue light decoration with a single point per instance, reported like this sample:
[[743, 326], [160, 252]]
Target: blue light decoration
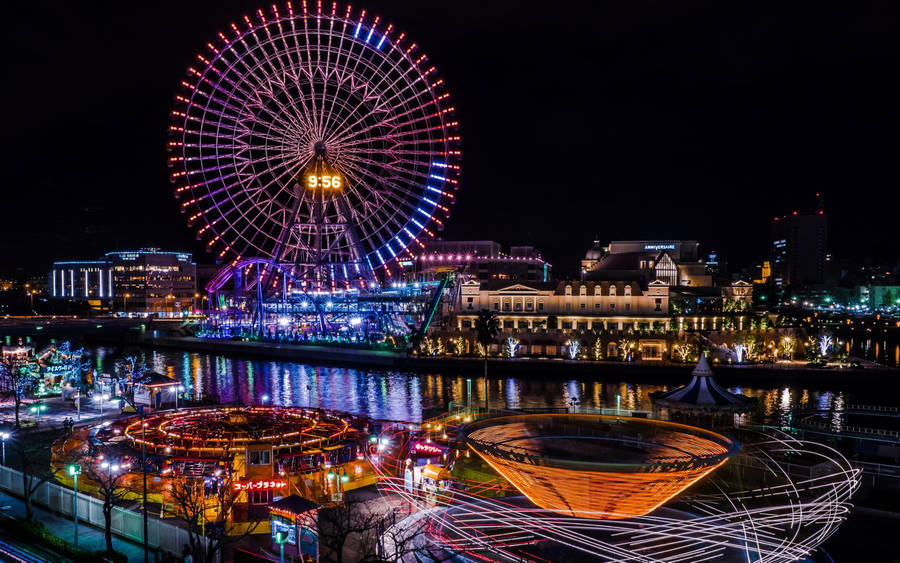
[[358, 28]]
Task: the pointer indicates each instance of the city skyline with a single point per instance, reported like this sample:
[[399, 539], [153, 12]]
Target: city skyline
[[668, 127]]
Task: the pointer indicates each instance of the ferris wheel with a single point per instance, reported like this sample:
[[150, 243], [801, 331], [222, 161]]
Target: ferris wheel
[[317, 139]]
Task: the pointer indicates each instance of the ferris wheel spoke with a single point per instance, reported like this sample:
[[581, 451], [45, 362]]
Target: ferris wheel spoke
[[395, 171], [298, 65], [326, 117], [366, 225], [287, 64], [385, 104], [381, 75], [389, 199], [264, 85]]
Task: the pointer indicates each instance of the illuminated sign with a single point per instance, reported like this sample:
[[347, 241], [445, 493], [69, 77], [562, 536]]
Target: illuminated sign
[[406, 263], [324, 182], [431, 449], [259, 485], [669, 246]]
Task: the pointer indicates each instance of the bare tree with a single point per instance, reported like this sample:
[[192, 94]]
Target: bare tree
[[193, 502], [107, 476], [17, 380], [33, 454], [402, 539], [373, 532], [350, 523]]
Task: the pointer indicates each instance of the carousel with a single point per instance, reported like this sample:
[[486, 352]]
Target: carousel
[[702, 401]]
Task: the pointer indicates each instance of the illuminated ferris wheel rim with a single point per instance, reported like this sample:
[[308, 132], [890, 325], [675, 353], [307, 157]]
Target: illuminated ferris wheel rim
[[387, 135]]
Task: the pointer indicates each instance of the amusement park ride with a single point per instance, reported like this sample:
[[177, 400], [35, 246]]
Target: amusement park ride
[[314, 148]]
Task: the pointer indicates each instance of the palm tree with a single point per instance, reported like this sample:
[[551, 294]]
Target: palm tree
[[487, 327]]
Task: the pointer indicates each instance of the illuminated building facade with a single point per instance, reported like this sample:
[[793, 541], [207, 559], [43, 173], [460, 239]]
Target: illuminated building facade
[[480, 260], [82, 280], [673, 262], [590, 305], [141, 282], [153, 281]]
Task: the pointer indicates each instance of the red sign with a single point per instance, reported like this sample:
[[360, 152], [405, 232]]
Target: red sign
[[259, 485], [423, 448]]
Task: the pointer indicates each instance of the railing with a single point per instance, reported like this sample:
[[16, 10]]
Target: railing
[[847, 429], [125, 523], [872, 408], [879, 469]]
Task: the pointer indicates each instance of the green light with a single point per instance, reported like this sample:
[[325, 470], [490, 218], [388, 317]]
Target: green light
[[38, 328], [345, 478], [281, 537], [73, 469], [330, 475], [374, 439]]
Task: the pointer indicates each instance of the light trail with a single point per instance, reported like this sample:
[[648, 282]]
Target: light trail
[[784, 518]]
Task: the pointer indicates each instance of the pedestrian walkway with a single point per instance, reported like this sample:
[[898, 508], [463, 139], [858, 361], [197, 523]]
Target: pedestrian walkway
[[88, 537], [56, 411]]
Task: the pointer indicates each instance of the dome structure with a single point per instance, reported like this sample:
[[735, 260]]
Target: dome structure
[[595, 253]]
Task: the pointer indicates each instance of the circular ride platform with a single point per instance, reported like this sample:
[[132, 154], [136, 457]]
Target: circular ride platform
[[595, 466]]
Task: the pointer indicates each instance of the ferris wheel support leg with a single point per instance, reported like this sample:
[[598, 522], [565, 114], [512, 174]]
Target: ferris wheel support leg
[[258, 320]]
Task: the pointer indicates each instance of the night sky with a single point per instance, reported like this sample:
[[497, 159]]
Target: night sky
[[636, 120]]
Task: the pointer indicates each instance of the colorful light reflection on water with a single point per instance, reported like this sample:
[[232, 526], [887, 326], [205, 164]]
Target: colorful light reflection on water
[[393, 395]]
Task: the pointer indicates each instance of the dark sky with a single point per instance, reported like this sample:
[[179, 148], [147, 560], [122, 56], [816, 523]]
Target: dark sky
[[630, 120]]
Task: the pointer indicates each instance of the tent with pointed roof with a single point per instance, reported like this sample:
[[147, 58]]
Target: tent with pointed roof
[[702, 393]]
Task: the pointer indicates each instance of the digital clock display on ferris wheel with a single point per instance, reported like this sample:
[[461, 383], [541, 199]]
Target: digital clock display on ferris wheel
[[324, 182]]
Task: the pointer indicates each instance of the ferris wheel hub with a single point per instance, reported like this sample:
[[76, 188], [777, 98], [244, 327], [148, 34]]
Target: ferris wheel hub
[[320, 150]]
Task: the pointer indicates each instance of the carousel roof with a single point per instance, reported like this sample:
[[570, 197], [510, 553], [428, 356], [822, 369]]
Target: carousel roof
[[154, 379], [702, 393], [294, 504]]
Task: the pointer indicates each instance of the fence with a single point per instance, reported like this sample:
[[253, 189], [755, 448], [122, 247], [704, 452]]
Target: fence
[[125, 523]]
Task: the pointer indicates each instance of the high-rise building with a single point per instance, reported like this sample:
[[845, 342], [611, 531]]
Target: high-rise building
[[799, 247]]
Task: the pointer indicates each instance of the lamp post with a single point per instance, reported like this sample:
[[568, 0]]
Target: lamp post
[[337, 485], [281, 538], [126, 296], [75, 470], [38, 408], [3, 437], [140, 410]]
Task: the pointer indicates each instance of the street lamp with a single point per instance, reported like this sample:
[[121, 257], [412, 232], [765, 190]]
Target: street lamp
[[344, 478], [74, 470], [102, 396], [37, 408], [126, 296], [281, 538], [140, 410], [3, 437]]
